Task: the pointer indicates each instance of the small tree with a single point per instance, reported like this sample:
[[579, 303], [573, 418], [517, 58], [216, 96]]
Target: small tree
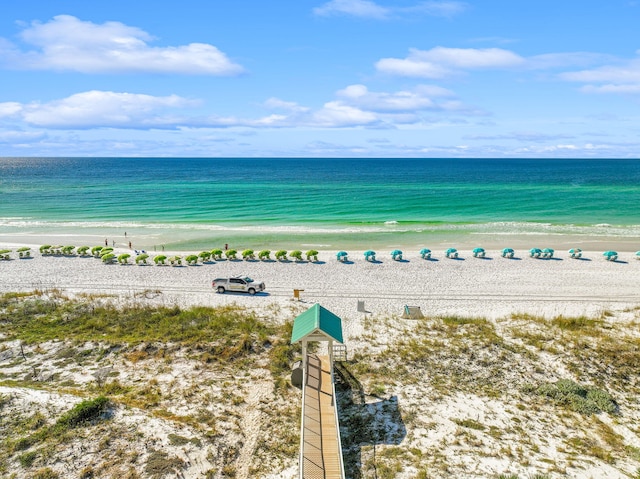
[[264, 254], [296, 254], [281, 255], [312, 255]]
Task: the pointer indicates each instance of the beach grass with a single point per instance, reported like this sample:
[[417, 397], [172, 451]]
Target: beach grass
[[425, 398]]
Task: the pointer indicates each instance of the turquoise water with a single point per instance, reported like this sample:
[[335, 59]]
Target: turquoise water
[[200, 203]]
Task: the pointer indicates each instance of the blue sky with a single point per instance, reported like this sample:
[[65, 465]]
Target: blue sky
[[320, 78]]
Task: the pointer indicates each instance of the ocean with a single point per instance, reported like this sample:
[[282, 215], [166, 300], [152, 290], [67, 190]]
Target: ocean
[[193, 204]]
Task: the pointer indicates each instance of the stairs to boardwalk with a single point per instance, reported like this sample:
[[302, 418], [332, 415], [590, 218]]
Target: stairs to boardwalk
[[321, 454]]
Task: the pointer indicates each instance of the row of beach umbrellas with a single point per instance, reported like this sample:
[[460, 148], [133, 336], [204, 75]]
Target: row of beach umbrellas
[[425, 253]]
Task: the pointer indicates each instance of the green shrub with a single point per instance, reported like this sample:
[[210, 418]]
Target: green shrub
[[85, 412], [578, 398], [27, 459]]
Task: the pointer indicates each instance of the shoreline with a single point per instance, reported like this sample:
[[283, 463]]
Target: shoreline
[[490, 241]]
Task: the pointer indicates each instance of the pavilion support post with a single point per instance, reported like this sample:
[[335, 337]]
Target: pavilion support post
[[304, 362]]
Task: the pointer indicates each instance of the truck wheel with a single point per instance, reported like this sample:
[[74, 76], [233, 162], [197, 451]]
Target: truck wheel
[[220, 289], [252, 291]]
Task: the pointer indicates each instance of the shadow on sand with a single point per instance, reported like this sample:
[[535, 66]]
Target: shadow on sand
[[364, 424]]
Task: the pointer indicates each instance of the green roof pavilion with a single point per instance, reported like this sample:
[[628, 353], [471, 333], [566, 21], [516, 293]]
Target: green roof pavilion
[[317, 324]]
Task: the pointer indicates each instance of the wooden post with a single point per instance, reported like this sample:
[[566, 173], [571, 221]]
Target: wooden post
[[304, 363]]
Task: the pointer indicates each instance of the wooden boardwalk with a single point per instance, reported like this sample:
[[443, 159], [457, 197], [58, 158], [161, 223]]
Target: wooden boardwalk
[[321, 454]]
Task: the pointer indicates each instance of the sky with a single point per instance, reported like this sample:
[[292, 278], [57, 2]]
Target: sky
[[320, 78]]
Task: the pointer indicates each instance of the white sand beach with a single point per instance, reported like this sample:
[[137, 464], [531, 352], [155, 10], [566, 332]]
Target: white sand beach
[[490, 287], [464, 433]]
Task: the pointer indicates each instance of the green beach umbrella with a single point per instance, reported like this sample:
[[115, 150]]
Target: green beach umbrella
[[341, 255], [396, 254], [142, 258], [108, 258], [535, 252], [548, 253], [508, 253], [478, 252], [312, 255], [370, 255], [638, 254], [265, 254], [296, 254], [451, 253], [425, 253], [610, 255], [575, 252]]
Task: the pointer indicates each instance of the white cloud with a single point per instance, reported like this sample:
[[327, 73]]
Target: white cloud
[[609, 88], [440, 62], [357, 8], [68, 44], [353, 106], [96, 109], [616, 76], [421, 98], [336, 114], [9, 108], [369, 9], [629, 73]]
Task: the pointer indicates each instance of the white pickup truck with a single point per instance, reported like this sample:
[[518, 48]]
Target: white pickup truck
[[240, 284]]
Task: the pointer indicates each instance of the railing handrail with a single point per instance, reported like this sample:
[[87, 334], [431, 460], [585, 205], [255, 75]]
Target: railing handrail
[[304, 393], [335, 407]]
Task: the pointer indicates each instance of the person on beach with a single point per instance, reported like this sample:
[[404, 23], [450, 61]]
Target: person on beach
[[226, 246], [129, 244], [106, 242]]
